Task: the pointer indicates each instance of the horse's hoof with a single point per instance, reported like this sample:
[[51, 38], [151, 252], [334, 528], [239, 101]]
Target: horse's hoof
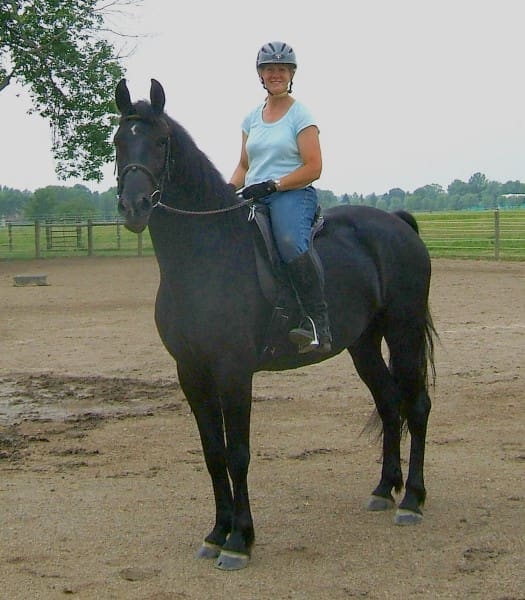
[[208, 550], [378, 503], [407, 517], [232, 561]]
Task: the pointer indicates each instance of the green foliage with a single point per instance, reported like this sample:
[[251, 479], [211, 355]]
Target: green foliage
[[478, 193], [327, 198], [12, 202], [57, 201], [57, 49]]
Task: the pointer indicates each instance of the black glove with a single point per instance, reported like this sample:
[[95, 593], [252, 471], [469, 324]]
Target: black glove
[[259, 190]]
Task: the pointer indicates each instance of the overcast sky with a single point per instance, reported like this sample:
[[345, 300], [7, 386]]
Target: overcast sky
[[405, 92]]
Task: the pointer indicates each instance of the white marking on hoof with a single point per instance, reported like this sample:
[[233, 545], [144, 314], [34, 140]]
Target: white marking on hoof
[[407, 517], [378, 503], [232, 561], [208, 550]]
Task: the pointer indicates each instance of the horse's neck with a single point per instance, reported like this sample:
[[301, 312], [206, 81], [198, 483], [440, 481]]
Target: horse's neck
[[201, 243]]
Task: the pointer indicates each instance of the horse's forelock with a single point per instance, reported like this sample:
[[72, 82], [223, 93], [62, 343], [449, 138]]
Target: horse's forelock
[[142, 111]]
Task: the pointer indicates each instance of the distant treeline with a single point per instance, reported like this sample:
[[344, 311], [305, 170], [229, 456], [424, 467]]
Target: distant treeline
[[57, 201], [475, 194]]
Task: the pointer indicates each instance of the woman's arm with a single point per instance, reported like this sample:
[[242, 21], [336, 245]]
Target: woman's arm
[[239, 174], [310, 152]]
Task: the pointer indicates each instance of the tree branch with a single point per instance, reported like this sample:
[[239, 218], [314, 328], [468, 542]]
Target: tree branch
[[6, 80]]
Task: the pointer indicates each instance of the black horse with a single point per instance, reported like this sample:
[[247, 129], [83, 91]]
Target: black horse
[[213, 317]]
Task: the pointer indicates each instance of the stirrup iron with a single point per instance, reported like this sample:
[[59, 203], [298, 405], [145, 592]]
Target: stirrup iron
[[307, 341]]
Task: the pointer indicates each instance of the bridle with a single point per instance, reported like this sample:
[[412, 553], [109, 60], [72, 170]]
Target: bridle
[[138, 167], [156, 195]]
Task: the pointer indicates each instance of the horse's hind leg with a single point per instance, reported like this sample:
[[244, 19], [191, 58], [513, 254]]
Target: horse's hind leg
[[408, 366], [371, 367]]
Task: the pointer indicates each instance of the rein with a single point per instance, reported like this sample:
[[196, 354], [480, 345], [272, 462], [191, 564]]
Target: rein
[[180, 211], [171, 209], [160, 185]]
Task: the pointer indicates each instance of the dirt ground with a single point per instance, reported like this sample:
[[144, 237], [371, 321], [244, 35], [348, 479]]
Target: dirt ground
[[103, 489]]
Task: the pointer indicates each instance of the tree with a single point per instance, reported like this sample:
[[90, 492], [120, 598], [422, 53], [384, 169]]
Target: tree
[[327, 198], [57, 49], [477, 183], [13, 202], [43, 202]]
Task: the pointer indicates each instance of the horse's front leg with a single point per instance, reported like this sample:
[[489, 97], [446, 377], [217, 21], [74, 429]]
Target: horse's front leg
[[224, 403], [205, 405], [235, 392]]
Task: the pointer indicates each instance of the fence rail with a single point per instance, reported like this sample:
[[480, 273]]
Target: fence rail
[[37, 239], [497, 235]]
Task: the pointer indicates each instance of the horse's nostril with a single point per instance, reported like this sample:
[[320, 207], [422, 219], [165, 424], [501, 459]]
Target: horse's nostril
[[145, 204]]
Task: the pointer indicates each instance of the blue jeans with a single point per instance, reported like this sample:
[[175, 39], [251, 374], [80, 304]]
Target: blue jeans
[[291, 215]]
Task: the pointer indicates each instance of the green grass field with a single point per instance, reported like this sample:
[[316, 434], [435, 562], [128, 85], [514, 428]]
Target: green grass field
[[476, 235], [481, 234]]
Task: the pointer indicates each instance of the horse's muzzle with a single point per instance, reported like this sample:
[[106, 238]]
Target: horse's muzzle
[[136, 213]]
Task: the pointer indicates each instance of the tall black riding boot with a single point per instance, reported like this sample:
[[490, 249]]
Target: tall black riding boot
[[314, 331]]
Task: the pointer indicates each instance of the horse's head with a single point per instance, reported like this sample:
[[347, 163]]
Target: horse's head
[[142, 145]]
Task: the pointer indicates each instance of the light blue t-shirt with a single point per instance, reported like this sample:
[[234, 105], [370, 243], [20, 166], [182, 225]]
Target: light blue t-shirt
[[272, 147]]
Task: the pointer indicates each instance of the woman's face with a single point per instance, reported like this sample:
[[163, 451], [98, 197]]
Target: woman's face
[[276, 77]]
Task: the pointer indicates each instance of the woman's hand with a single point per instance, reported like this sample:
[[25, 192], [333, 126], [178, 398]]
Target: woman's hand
[[259, 190]]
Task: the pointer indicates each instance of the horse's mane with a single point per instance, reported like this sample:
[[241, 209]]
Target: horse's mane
[[189, 166]]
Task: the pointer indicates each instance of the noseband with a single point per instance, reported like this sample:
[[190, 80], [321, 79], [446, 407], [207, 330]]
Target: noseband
[[138, 167]]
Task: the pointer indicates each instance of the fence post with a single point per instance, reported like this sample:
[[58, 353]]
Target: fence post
[[496, 234], [118, 236], [139, 244], [10, 236], [79, 237], [37, 238], [90, 237]]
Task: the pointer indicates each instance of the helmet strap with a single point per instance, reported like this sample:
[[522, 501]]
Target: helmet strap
[[282, 94]]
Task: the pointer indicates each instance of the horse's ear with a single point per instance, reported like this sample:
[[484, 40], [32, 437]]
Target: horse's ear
[[157, 97], [123, 98]]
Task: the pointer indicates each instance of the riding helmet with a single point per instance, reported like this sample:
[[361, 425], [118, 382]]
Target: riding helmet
[[276, 53]]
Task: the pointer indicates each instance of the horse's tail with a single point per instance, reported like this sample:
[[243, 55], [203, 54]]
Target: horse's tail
[[427, 374], [427, 351], [427, 378], [408, 218]]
